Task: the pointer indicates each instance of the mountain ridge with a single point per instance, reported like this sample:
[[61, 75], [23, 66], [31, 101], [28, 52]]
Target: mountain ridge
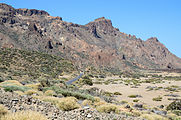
[[96, 43]]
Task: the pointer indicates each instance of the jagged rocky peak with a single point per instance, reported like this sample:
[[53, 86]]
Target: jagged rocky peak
[[103, 25], [9, 10], [153, 39], [30, 12], [101, 21], [6, 7]]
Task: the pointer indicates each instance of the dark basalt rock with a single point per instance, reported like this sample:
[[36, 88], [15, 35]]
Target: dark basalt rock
[[30, 12]]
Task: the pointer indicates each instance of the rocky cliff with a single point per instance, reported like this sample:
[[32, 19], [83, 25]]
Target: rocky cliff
[[96, 44]]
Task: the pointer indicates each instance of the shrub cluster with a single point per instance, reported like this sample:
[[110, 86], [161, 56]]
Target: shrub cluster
[[68, 103], [176, 105]]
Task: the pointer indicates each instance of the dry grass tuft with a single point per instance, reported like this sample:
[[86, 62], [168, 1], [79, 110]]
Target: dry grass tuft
[[35, 86], [68, 103], [99, 103], [3, 111], [107, 108], [24, 115], [49, 93], [50, 99], [152, 117], [31, 92], [97, 99], [19, 92], [87, 102]]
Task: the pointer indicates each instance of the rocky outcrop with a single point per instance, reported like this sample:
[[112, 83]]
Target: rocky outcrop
[[103, 25], [30, 12]]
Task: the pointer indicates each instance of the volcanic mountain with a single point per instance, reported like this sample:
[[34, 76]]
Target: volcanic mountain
[[96, 44]]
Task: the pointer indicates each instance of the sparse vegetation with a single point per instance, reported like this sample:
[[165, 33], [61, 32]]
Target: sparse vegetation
[[86, 80], [159, 98], [153, 117], [176, 105], [31, 92], [24, 115], [19, 63], [67, 93], [12, 88]]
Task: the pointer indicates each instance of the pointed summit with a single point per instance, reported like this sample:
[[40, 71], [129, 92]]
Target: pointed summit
[[153, 39], [102, 24], [102, 20]]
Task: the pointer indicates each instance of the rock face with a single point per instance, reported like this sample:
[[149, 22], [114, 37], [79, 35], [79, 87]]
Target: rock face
[[96, 44]]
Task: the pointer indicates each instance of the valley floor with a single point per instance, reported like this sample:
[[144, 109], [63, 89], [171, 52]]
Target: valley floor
[[144, 93]]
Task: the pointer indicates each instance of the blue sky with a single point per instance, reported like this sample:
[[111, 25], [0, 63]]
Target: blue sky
[[143, 18]]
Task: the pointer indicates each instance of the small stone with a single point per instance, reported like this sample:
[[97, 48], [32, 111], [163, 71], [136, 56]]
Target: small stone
[[138, 105], [86, 107], [89, 115]]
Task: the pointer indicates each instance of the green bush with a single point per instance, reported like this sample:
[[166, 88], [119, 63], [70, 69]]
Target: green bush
[[132, 96], [176, 105], [44, 82], [117, 93], [11, 88], [177, 112], [86, 80], [135, 100], [67, 93], [159, 98]]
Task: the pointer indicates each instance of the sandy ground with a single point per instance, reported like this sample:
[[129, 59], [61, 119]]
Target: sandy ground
[[147, 96]]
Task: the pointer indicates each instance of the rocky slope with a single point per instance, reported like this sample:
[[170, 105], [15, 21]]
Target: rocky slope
[[16, 103], [96, 44]]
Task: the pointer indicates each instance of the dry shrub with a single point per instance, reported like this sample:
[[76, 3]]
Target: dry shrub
[[3, 111], [152, 117], [68, 103], [49, 93], [50, 99], [107, 108], [24, 115], [31, 92], [97, 99], [99, 103], [136, 112], [87, 102], [35, 86]]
